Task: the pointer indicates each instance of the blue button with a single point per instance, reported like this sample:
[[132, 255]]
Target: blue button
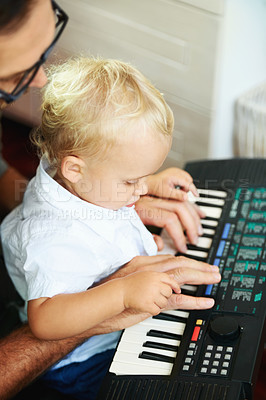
[[208, 290], [217, 262], [226, 231], [220, 248]]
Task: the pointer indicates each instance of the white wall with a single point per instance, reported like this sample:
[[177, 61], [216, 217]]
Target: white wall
[[242, 63]]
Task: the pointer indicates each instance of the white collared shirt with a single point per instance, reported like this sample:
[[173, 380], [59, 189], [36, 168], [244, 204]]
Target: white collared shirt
[[57, 243]]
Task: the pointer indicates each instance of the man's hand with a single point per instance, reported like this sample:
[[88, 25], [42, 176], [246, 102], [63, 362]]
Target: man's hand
[[184, 270], [193, 272], [174, 216]]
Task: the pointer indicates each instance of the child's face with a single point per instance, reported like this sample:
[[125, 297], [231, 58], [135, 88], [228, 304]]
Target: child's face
[[121, 179]]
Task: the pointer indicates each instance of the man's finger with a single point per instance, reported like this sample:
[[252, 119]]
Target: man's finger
[[174, 229], [181, 301], [175, 217], [162, 218], [196, 277], [166, 262], [183, 261]]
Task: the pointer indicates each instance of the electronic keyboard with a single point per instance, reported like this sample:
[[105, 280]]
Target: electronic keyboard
[[207, 354]]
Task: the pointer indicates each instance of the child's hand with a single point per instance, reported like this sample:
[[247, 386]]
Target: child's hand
[[172, 183], [148, 291]]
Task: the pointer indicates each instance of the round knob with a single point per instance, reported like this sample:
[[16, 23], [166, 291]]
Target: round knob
[[224, 329]]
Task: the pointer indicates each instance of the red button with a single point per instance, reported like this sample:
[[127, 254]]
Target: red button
[[195, 333]]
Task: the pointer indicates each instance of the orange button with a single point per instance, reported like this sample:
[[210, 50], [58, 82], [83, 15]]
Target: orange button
[[195, 333]]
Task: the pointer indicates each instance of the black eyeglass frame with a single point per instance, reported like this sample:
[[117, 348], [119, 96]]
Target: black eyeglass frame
[[15, 94]]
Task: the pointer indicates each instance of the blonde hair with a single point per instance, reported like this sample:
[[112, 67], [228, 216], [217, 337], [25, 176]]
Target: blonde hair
[[91, 103]]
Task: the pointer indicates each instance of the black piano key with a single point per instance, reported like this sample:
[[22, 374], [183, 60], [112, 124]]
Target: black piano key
[[210, 218], [207, 235], [208, 226], [206, 204], [170, 317], [188, 292], [163, 346], [156, 357], [211, 196], [195, 247], [192, 257], [163, 334]]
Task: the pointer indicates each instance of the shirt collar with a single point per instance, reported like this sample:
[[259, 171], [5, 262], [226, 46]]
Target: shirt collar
[[45, 189]]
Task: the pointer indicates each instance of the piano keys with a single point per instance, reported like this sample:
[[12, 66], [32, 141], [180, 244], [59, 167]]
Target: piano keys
[[138, 350], [207, 354], [212, 212], [165, 329]]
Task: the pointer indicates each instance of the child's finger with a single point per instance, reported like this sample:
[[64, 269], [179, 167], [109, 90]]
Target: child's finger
[[166, 291], [173, 283]]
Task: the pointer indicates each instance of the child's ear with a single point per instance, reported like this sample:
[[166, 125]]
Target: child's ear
[[71, 168]]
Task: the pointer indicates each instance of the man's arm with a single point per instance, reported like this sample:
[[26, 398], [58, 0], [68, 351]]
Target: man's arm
[[23, 357]]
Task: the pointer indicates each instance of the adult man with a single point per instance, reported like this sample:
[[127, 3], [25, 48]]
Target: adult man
[[27, 33]]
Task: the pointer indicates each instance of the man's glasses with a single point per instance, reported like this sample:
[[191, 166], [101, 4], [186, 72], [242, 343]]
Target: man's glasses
[[28, 76]]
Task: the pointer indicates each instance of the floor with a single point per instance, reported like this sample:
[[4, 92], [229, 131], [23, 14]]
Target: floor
[[19, 152]]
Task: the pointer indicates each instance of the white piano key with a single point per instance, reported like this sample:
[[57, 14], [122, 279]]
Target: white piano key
[[211, 212], [176, 328], [126, 347], [209, 222], [133, 338], [207, 231], [203, 242], [145, 367], [207, 200], [168, 326], [178, 313], [211, 192], [196, 253], [133, 357]]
